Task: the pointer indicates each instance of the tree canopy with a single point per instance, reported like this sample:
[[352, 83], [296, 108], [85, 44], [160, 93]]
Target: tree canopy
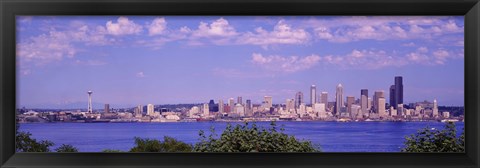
[[434, 140], [168, 144], [251, 138]]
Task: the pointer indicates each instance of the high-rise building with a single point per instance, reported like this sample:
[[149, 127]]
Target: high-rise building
[[150, 110], [350, 102], [240, 110], [107, 108], [313, 95], [239, 100], [298, 99], [324, 98], [289, 105], [369, 105], [321, 109], [249, 108], [212, 106], [364, 100], [396, 92], [268, 101], [392, 96], [435, 108], [376, 97], [90, 108], [220, 106], [381, 107], [138, 111], [400, 110], [206, 110], [356, 111], [231, 104], [338, 99]]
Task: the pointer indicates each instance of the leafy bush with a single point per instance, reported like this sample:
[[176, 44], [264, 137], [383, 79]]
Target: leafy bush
[[245, 138], [24, 143], [433, 140], [66, 148], [169, 144]]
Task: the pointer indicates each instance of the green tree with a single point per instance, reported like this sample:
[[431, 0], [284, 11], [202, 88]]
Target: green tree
[[66, 148], [245, 138], [168, 144], [433, 140], [24, 143]]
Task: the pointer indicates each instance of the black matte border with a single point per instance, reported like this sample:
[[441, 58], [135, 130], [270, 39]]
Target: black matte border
[[10, 8]]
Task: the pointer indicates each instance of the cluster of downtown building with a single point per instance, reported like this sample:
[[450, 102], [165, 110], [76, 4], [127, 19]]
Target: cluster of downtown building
[[318, 107]]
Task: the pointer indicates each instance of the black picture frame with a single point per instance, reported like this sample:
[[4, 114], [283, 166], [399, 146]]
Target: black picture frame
[[10, 8]]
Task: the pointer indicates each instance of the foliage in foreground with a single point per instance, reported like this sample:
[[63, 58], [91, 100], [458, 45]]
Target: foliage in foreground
[[24, 143], [433, 140], [168, 144], [245, 138], [66, 148]]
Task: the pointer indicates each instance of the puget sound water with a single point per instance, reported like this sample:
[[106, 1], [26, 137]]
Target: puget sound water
[[330, 136]]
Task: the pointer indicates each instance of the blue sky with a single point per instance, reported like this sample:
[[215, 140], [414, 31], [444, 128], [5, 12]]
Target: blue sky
[[129, 60]]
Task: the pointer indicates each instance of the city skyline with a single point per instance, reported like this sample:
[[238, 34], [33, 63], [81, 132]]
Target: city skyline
[[133, 60]]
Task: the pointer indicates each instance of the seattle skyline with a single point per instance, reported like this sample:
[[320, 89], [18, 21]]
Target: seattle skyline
[[130, 60]]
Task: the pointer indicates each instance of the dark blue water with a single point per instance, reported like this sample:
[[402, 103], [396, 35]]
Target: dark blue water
[[331, 136]]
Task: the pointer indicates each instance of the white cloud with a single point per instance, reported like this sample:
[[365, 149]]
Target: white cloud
[[158, 26], [218, 28], [282, 34], [288, 64], [123, 26], [46, 48], [140, 75], [59, 44], [347, 29], [363, 59]]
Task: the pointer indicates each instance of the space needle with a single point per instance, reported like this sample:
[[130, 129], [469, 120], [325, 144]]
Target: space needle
[[89, 101]]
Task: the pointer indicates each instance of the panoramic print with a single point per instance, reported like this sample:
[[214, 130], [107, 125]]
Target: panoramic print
[[240, 84]]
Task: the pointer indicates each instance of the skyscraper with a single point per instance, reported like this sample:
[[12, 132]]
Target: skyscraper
[[220, 106], [107, 108], [289, 105], [239, 100], [364, 100], [249, 108], [376, 97], [231, 104], [381, 107], [90, 108], [435, 108], [150, 110], [139, 111], [324, 98], [313, 95], [268, 102], [350, 102], [396, 92], [338, 99], [298, 99], [212, 106], [206, 110]]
